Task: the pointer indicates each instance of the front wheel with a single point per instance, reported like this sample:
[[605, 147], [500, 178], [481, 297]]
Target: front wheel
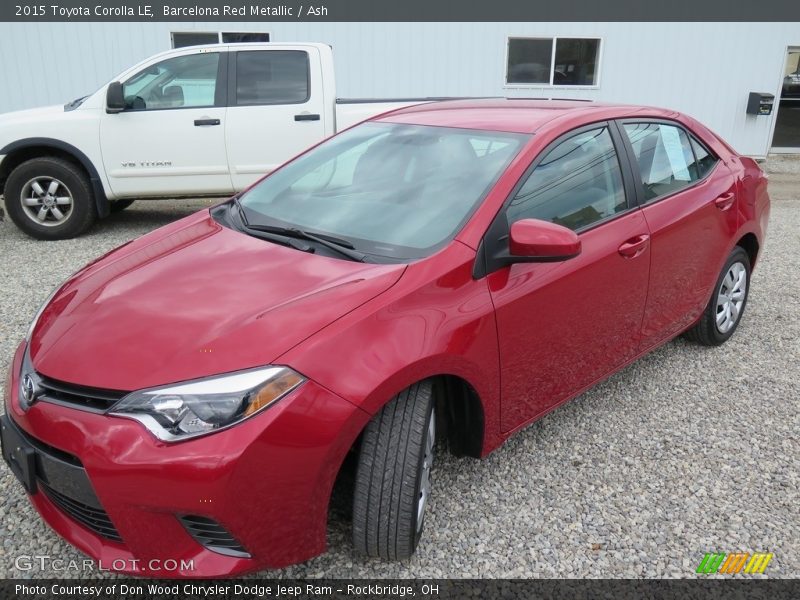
[[726, 306], [393, 477], [50, 199]]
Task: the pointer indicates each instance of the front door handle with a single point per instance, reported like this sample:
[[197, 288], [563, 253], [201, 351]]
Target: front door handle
[[205, 122], [725, 201], [306, 117], [635, 246]]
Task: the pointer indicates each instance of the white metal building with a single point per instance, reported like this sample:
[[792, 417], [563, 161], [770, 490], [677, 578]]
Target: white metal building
[[704, 69]]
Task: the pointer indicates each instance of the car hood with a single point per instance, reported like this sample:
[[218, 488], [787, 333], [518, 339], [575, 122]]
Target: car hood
[[192, 300]]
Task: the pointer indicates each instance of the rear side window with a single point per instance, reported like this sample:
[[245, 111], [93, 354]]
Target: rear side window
[[576, 184], [666, 158], [272, 77], [704, 160]]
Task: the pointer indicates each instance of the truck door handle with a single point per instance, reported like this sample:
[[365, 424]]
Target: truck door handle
[[634, 246], [306, 117], [725, 201], [204, 122]]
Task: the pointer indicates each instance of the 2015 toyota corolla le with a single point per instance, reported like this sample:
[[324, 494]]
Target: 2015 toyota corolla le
[[449, 271]]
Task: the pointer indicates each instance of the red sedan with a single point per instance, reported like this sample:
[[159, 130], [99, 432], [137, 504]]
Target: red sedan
[[447, 271]]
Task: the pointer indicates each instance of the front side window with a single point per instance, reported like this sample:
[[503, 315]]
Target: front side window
[[553, 61], [272, 77], [182, 82], [576, 184], [665, 158], [393, 190]]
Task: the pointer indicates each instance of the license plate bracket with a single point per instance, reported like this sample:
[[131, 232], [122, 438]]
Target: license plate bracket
[[19, 454]]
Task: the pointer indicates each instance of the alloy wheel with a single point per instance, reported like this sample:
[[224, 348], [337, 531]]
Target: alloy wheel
[[425, 478], [730, 297], [47, 201]]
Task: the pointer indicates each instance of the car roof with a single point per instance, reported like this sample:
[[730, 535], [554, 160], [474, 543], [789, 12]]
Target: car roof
[[518, 115]]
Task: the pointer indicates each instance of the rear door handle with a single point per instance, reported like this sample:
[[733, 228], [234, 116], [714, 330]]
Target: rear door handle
[[205, 122], [725, 201], [634, 246], [306, 117]]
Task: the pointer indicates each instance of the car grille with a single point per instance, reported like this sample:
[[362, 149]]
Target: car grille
[[92, 518], [79, 396], [213, 536]]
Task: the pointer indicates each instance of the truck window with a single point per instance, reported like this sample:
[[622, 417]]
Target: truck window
[[182, 82], [272, 77]]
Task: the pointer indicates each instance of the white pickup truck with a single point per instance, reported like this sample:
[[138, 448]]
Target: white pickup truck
[[199, 121]]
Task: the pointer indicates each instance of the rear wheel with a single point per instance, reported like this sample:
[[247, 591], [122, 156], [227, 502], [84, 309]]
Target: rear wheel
[[50, 199], [393, 477], [726, 306]]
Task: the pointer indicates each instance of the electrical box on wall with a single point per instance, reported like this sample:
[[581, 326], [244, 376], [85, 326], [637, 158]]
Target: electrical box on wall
[[760, 104]]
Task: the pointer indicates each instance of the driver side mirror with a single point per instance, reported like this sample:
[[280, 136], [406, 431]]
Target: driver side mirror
[[115, 99], [532, 240]]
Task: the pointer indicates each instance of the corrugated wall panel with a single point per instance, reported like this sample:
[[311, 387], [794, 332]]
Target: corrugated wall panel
[[703, 69]]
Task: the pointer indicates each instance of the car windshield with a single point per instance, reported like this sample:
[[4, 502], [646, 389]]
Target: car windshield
[[392, 190]]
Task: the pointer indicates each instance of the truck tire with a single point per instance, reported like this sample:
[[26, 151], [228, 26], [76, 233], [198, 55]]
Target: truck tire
[[392, 483], [50, 198]]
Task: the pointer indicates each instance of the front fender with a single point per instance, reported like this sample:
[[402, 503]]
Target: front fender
[[100, 197], [437, 320]]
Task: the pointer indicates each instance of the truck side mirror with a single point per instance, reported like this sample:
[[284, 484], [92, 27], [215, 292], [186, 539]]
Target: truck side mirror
[[115, 99]]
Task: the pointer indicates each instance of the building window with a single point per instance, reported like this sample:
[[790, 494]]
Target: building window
[[229, 37], [181, 39], [553, 61]]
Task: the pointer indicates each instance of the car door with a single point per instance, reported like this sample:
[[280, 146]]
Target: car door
[[688, 198], [170, 139], [276, 109], [564, 325]]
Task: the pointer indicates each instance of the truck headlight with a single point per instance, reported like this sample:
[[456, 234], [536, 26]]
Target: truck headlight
[[185, 410]]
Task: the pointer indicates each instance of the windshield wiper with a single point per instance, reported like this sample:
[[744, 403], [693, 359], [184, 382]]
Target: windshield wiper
[[270, 236], [339, 245]]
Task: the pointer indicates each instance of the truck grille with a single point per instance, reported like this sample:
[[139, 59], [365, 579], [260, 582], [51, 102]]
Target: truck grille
[[92, 518], [213, 536]]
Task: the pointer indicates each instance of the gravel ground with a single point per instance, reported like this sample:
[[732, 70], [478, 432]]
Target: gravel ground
[[689, 450]]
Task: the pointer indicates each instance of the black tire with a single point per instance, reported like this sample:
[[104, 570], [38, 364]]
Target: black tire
[[116, 206], [389, 475], [706, 331], [74, 184]]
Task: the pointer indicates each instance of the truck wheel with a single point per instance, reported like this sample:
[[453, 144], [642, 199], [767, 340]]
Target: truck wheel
[[119, 205], [724, 310], [392, 484], [50, 199]]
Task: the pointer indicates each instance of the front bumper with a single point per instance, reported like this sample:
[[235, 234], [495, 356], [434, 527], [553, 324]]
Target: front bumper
[[267, 481]]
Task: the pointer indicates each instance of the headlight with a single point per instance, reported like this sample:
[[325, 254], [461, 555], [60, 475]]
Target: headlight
[[185, 410]]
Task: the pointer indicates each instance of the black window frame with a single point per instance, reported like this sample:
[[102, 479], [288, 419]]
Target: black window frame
[[493, 248], [634, 164], [233, 75], [220, 91]]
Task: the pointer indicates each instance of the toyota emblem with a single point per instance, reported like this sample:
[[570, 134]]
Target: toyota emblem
[[29, 391]]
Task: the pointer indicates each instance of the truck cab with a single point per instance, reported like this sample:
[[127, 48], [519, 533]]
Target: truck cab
[[196, 121]]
